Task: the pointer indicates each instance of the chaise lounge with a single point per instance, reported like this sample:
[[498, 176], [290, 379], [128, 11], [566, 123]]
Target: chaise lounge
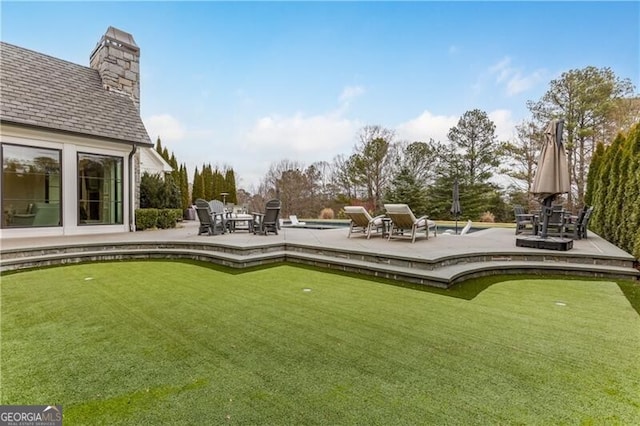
[[404, 221], [362, 222]]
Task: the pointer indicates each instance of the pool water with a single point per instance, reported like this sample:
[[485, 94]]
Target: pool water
[[340, 225]]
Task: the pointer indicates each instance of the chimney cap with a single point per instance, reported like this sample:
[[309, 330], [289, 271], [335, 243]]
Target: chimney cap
[[120, 37]]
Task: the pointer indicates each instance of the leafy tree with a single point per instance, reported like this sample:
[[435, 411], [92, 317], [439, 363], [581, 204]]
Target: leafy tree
[[406, 189], [471, 158], [159, 193], [474, 136], [587, 99]]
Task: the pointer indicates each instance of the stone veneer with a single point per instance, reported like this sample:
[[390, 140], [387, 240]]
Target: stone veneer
[[116, 57]]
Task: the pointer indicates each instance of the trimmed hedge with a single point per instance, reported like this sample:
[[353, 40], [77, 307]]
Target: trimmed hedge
[[157, 218]]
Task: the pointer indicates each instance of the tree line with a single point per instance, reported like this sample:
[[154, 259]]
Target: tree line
[[172, 190], [613, 189], [493, 175]]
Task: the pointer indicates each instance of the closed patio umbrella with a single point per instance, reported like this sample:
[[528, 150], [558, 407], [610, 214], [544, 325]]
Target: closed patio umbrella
[[552, 175], [455, 206]]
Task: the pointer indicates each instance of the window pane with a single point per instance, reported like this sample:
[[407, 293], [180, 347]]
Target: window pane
[[31, 186], [100, 189]]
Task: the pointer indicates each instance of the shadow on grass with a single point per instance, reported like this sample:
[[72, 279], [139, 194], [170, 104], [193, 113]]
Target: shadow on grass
[[466, 290]]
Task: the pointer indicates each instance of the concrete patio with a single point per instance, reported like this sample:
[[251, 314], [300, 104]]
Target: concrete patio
[[440, 261]]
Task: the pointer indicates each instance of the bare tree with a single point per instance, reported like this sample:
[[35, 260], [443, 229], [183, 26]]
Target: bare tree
[[419, 158], [522, 156], [372, 161]]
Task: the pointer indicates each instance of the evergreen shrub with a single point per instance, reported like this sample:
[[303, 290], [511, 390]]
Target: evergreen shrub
[[146, 219]]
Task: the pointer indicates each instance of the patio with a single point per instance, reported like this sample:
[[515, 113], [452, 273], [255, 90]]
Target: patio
[[440, 262]]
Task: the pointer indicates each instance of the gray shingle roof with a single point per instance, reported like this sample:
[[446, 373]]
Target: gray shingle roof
[[43, 91]]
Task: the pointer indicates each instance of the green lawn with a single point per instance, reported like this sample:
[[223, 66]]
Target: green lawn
[[181, 343]]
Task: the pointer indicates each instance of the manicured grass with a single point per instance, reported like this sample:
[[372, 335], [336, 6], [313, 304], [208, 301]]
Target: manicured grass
[[180, 343]]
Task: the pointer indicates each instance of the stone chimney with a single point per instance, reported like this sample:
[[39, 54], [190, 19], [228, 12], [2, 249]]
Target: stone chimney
[[116, 57]]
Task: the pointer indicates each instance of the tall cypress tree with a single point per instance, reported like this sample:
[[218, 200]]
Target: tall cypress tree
[[230, 186], [217, 183], [198, 186], [611, 210], [592, 177], [630, 229], [184, 186], [207, 181]]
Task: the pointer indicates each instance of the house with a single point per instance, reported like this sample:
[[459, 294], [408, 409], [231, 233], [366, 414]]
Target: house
[[71, 137]]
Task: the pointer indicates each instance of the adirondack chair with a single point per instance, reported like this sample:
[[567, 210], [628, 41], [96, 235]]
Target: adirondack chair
[[211, 218], [578, 225], [525, 222], [268, 221]]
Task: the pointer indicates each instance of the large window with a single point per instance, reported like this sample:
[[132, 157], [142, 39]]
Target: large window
[[99, 189], [31, 186]]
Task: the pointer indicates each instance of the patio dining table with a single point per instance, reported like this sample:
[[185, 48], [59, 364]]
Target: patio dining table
[[240, 222]]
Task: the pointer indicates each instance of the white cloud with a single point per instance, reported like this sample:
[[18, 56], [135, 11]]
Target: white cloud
[[502, 69], [166, 127], [505, 125], [306, 138], [519, 83], [351, 92], [514, 78], [426, 126], [296, 135], [429, 126]]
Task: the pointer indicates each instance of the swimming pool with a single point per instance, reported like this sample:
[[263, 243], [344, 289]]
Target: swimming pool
[[321, 225]]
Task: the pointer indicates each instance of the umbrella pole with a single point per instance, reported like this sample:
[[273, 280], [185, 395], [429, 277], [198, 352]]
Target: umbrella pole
[[546, 212], [456, 224]]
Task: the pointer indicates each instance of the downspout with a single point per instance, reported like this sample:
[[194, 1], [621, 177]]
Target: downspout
[[132, 188]]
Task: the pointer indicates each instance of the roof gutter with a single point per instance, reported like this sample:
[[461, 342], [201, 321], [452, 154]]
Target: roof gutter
[[132, 189]]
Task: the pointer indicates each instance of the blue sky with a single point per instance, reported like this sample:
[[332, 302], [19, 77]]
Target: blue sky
[[246, 84]]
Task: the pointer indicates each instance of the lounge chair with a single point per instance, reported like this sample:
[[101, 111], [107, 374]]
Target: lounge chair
[[403, 220], [267, 221], [294, 220], [211, 217], [362, 222], [466, 228]]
